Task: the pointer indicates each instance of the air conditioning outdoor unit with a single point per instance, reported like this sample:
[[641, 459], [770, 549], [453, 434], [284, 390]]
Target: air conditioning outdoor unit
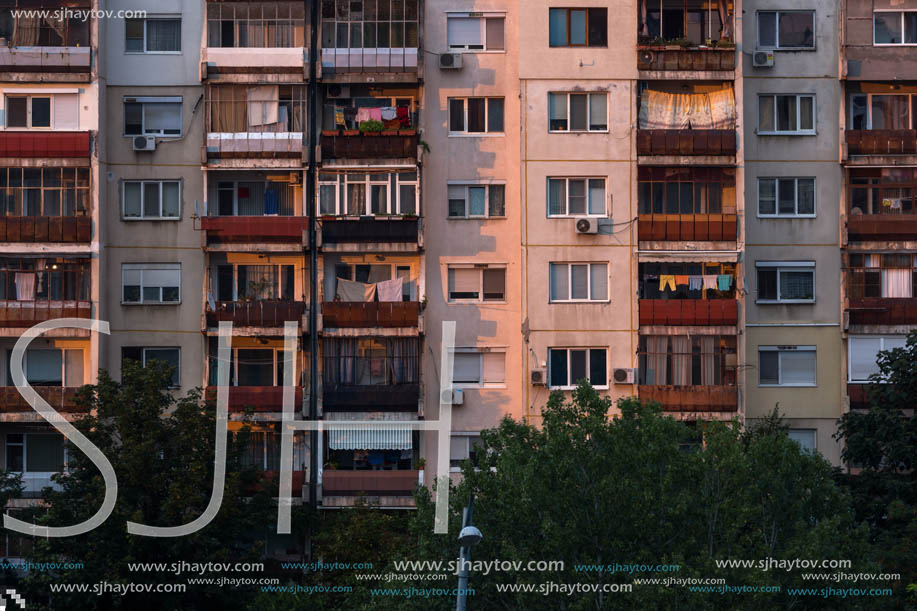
[[762, 59], [144, 143], [338, 91], [587, 224], [450, 61], [539, 377], [623, 376], [454, 396]]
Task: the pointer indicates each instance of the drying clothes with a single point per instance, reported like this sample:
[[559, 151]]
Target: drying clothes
[[263, 104], [681, 279], [389, 290], [389, 113], [709, 282], [375, 114], [355, 291], [271, 202], [404, 116], [338, 116], [362, 115], [666, 280], [695, 283], [723, 282]]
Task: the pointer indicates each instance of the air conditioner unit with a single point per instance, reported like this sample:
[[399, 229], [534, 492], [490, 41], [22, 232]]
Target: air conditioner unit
[[762, 59], [144, 143], [450, 61], [337, 91], [587, 224], [623, 376], [539, 377], [454, 396]]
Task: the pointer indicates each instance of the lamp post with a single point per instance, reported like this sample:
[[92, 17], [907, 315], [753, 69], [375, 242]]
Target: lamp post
[[469, 536]]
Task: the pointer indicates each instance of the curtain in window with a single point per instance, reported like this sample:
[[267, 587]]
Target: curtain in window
[[708, 360], [896, 283], [890, 111], [356, 199], [163, 35], [25, 287], [722, 109], [25, 33], [263, 104], [557, 197], [73, 367], [228, 109], [404, 360], [60, 28], [681, 360], [661, 110], [340, 355], [659, 346]]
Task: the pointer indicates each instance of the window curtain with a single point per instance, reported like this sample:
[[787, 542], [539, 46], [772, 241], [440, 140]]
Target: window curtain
[[340, 355], [25, 287], [60, 28], [263, 105], [405, 355], [708, 360], [25, 32], [163, 34], [896, 283], [557, 197], [228, 109], [661, 110], [659, 357], [681, 360], [722, 109]]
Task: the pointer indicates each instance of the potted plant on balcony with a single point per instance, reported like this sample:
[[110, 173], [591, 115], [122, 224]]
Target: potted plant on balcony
[[371, 127], [678, 43], [725, 43], [421, 463], [350, 132]]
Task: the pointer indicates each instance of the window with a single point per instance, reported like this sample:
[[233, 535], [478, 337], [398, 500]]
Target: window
[[30, 111], [700, 280], [47, 29], [152, 35], [368, 24], [886, 191], [567, 366], [793, 30], [882, 275], [578, 112], [275, 109], [44, 279], [44, 191], [786, 281], [786, 197], [478, 367], [882, 111], [255, 282], [462, 447], [671, 190], [475, 115], [151, 283], [687, 360], [476, 200], [863, 353], [255, 24], [786, 114], [364, 361], [49, 367], [35, 452], [894, 27], [805, 438], [475, 32], [786, 365], [151, 199], [477, 284], [576, 197], [697, 21], [578, 282], [152, 116], [578, 27], [144, 356], [368, 194]]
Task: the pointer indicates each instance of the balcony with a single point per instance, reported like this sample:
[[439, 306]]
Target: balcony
[[678, 142], [267, 64], [864, 227], [360, 315], [55, 145], [692, 59], [235, 145], [881, 142], [692, 398], [259, 229], [369, 230], [859, 396], [374, 483], [16, 314], [882, 311], [689, 312], [68, 64], [687, 227], [385, 145], [396, 397], [257, 313], [258, 398], [64, 229], [59, 397]]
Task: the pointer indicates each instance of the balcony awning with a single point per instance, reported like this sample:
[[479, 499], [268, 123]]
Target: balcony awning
[[340, 438]]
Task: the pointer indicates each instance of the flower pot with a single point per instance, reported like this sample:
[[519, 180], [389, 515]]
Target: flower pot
[[351, 132], [329, 132]]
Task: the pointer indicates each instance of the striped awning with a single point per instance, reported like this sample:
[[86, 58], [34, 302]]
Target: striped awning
[[340, 438]]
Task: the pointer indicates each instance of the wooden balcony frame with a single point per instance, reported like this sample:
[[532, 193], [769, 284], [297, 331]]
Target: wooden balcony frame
[[370, 230], [882, 310], [864, 227], [32, 229], [881, 141], [59, 397], [376, 146], [260, 398], [655, 58], [366, 315], [687, 227], [693, 142], [248, 229], [692, 398], [49, 144], [272, 313], [16, 314], [689, 312], [375, 483], [858, 392]]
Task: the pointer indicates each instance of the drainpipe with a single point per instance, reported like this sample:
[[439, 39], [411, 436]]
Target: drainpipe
[[313, 259]]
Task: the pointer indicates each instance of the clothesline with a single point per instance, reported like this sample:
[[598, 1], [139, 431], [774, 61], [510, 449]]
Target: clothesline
[[719, 282], [387, 290]]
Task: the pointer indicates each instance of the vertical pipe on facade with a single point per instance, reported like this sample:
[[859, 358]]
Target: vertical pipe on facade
[[313, 257]]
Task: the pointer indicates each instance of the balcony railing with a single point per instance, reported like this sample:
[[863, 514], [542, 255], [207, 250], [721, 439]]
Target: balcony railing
[[257, 313], [30, 313], [44, 144], [58, 60], [859, 396], [687, 227], [881, 142], [882, 226], [59, 397], [367, 315], [67, 229], [384, 145], [689, 312], [259, 398], [686, 142], [692, 59], [381, 483], [255, 228], [883, 311], [396, 397], [369, 230], [692, 398]]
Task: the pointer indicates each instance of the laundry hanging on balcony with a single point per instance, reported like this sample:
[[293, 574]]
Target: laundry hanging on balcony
[[263, 105], [348, 290], [390, 290], [375, 438], [661, 110]]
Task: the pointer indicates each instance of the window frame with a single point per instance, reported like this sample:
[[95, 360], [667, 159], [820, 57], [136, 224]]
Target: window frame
[[902, 22], [796, 132], [24, 445], [466, 185], [143, 101], [143, 359], [482, 17], [882, 348], [64, 371], [777, 213], [785, 349], [588, 350], [567, 10], [912, 124], [480, 351], [589, 265], [141, 267], [480, 298], [468, 437], [143, 217], [467, 134], [568, 215], [588, 129], [29, 97], [146, 35], [777, 47], [806, 430], [392, 200], [780, 267]]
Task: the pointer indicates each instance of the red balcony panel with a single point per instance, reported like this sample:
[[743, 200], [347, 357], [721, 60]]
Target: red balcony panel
[[44, 144], [270, 480], [859, 396], [370, 314], [883, 311], [260, 398], [361, 146], [689, 312], [381, 483], [30, 313], [687, 227], [686, 142], [255, 228], [257, 313], [864, 227], [64, 229], [692, 398], [881, 141], [58, 397]]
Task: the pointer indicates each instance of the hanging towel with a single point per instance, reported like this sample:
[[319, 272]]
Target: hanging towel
[[355, 291], [338, 115], [362, 115], [723, 282], [666, 280], [709, 282], [389, 290], [263, 104], [271, 203], [388, 113], [375, 114], [695, 283], [681, 279]]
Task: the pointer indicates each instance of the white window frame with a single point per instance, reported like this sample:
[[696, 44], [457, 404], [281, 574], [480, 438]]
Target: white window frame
[[869, 96], [797, 131], [852, 340], [340, 191], [568, 215], [480, 352], [465, 133], [569, 265], [143, 101], [467, 437], [780, 350], [891, 44], [480, 269], [141, 267], [29, 97], [146, 35], [26, 474], [777, 213], [814, 433], [466, 185], [482, 17], [589, 95], [142, 216], [780, 267], [777, 46], [588, 350]]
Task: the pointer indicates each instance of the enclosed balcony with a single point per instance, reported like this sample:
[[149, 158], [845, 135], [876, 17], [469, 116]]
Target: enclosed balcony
[[258, 293], [882, 204], [366, 123], [878, 44], [44, 48], [371, 373], [45, 205], [54, 373], [694, 36], [36, 289], [259, 449], [881, 289], [51, 145], [688, 294], [256, 374], [371, 292], [880, 126]]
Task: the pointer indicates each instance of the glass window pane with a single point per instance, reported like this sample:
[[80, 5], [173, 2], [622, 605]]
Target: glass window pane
[[786, 113], [863, 352], [17, 112], [558, 27], [598, 27], [457, 200], [557, 360], [768, 367], [475, 115], [804, 437], [598, 370], [807, 113], [767, 196], [497, 205], [170, 199], [766, 113], [44, 453], [787, 188], [797, 29], [560, 286], [577, 194], [41, 112], [44, 367], [767, 28], [557, 196], [577, 366], [596, 196], [557, 111], [598, 115], [151, 199], [910, 27], [599, 281], [495, 114], [797, 367], [579, 285], [806, 196], [457, 115], [578, 26], [170, 356], [132, 199], [578, 112], [797, 285], [887, 28], [494, 284], [162, 117], [495, 34], [476, 197]]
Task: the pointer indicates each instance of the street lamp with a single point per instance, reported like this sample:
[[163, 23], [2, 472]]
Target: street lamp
[[469, 535]]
